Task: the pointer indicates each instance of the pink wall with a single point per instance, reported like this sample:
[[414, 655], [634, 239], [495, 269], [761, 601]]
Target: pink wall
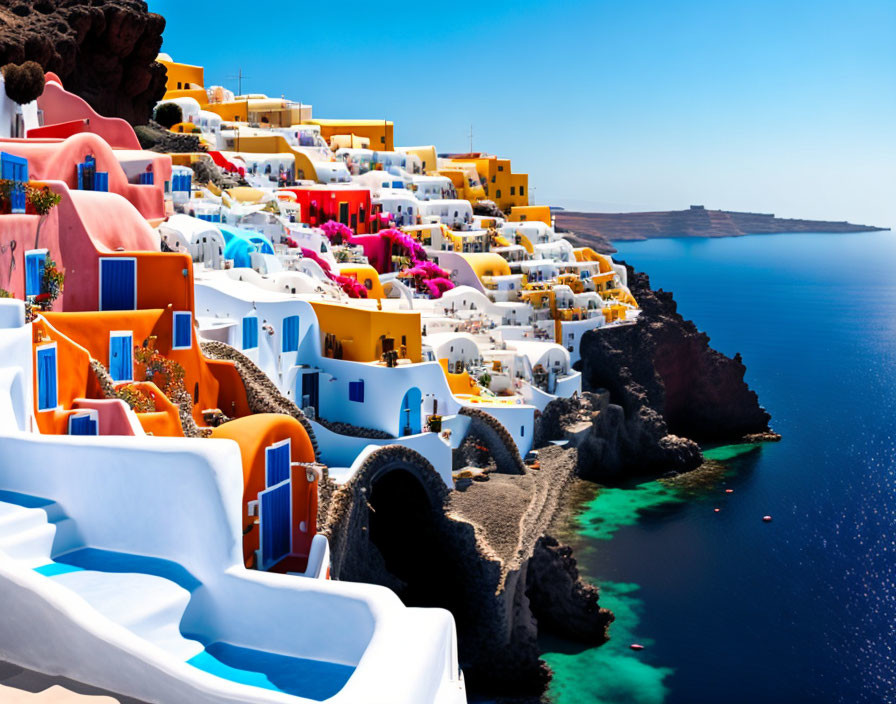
[[16, 237], [61, 106], [58, 160]]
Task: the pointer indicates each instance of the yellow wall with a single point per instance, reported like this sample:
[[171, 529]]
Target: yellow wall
[[487, 264], [364, 273], [180, 76], [460, 384], [504, 187], [361, 330], [236, 111], [379, 132], [196, 93], [531, 213], [427, 155]]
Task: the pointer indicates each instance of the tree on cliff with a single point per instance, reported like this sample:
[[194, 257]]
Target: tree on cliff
[[24, 82], [169, 114]]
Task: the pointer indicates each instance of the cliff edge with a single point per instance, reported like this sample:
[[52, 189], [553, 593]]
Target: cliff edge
[[104, 50]]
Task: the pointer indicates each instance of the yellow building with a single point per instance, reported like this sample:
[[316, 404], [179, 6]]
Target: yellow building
[[360, 333], [427, 156], [531, 213], [275, 144], [504, 187], [379, 132], [277, 112], [183, 77]]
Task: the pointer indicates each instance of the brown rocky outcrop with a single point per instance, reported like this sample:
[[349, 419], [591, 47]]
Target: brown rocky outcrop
[[103, 50]]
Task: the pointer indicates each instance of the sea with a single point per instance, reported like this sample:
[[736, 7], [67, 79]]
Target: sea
[[730, 608]]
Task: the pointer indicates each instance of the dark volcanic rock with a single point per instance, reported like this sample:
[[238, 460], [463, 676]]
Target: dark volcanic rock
[[103, 50], [661, 380], [564, 604]]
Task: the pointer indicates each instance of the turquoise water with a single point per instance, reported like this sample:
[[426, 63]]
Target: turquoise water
[[731, 609]]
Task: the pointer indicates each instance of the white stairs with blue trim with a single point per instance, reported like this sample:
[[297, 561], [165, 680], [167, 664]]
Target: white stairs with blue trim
[[38, 533]]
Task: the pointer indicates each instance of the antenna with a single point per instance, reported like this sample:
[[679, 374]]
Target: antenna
[[239, 79]]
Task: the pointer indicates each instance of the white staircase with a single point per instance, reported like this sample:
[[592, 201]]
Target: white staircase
[[35, 532]]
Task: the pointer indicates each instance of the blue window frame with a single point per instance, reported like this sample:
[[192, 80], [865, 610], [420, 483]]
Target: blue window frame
[[47, 398], [147, 178], [291, 334], [277, 460], [118, 283], [34, 271], [356, 391], [121, 356], [182, 333], [82, 424], [250, 332]]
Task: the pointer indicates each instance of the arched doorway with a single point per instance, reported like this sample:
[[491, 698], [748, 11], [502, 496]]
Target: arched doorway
[[409, 421]]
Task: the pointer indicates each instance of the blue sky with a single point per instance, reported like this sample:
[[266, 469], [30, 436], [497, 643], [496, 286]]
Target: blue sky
[[784, 107]]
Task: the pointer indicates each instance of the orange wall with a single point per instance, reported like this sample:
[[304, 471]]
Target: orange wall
[[254, 434], [72, 363]]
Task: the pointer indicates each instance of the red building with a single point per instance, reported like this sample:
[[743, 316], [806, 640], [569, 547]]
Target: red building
[[320, 203]]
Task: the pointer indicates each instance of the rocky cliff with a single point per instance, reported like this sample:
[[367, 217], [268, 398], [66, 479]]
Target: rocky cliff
[[597, 230], [103, 50], [651, 390]]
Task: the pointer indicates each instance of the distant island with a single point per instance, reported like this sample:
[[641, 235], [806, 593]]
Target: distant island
[[598, 230]]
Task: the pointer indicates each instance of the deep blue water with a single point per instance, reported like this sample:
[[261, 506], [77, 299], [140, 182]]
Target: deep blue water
[[732, 609]]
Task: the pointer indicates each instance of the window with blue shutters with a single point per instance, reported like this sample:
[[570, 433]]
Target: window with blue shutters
[[356, 391], [121, 356], [291, 334], [34, 271], [15, 168], [118, 283], [147, 178], [82, 424], [101, 181], [183, 330], [46, 378], [277, 460], [250, 332]]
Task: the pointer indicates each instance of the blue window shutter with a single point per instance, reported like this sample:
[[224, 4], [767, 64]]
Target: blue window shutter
[[277, 464], [183, 329], [13, 168], [118, 288], [46, 379], [121, 366], [34, 272], [81, 177], [101, 181], [291, 334], [275, 524], [356, 391], [250, 332]]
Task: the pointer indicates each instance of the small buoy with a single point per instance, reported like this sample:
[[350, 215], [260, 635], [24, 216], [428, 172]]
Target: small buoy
[[636, 646], [767, 519], [716, 510], [729, 491]]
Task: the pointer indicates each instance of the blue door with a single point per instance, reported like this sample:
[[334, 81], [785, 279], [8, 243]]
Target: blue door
[[310, 390], [275, 517], [277, 458], [121, 356], [34, 271], [46, 379], [118, 284], [410, 412], [82, 425], [250, 332], [291, 334]]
